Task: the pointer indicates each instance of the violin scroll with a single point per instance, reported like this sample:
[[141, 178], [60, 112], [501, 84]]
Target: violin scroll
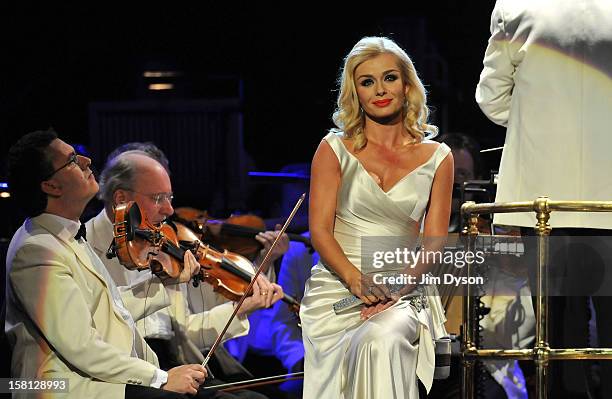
[[140, 245]]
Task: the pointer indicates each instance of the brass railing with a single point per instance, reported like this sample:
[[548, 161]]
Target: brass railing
[[541, 353]]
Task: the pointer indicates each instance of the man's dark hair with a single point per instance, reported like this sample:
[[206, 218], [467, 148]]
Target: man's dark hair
[[28, 164]]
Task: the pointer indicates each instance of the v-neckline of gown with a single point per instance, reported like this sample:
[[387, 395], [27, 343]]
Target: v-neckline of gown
[[397, 182]]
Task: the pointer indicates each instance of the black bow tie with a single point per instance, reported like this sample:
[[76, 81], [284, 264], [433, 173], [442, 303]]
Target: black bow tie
[[81, 233]]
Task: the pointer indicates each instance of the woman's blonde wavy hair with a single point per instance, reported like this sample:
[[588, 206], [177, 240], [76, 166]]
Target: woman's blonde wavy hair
[[348, 116]]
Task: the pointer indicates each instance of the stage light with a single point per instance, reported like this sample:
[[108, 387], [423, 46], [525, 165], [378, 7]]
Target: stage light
[[161, 74], [161, 86], [4, 193]]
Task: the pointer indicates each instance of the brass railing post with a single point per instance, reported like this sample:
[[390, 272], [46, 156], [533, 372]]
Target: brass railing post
[[541, 353], [470, 328], [541, 349]]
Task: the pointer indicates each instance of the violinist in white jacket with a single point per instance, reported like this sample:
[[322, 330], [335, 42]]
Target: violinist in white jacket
[[65, 316]]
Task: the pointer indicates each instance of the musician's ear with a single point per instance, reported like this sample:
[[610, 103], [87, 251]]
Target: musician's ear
[[51, 187], [120, 196]]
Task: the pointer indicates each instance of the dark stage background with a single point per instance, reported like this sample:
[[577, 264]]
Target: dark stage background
[[258, 78]]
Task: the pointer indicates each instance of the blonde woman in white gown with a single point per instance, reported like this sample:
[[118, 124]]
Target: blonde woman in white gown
[[376, 175]]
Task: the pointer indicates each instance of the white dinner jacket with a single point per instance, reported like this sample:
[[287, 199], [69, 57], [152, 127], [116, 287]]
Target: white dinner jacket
[[547, 76]]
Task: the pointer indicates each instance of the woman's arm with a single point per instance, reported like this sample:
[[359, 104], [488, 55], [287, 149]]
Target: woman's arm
[[435, 229], [324, 185]]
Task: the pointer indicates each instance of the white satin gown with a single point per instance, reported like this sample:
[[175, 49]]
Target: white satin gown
[[383, 356]]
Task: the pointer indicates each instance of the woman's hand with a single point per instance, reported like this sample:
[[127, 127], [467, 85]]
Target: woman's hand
[[362, 286], [370, 310]]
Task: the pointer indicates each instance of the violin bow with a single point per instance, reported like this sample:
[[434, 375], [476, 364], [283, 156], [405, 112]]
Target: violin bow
[[232, 386], [257, 273]]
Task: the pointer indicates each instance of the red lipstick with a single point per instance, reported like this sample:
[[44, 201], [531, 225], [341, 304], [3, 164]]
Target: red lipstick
[[382, 103]]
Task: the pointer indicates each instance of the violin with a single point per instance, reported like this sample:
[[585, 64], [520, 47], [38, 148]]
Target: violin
[[230, 274], [236, 234], [140, 245]]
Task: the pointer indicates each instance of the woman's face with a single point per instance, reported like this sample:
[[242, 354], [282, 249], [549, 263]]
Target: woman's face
[[380, 87]]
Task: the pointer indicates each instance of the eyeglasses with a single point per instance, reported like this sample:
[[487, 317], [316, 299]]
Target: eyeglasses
[[158, 198], [74, 158]]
